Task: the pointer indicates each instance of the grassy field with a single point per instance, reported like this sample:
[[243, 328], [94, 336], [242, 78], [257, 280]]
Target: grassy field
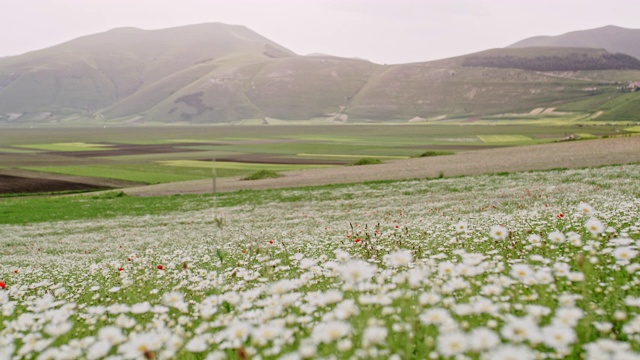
[[67, 147], [153, 155], [504, 138], [220, 165], [143, 173], [521, 265], [166, 171]]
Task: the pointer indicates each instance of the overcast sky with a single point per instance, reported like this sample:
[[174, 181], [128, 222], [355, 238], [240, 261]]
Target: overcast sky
[[383, 31]]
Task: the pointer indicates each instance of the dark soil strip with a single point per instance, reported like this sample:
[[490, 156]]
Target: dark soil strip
[[22, 185], [123, 150]]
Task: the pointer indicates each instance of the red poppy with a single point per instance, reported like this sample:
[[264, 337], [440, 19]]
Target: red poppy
[[3, 285], [120, 269], [358, 240], [160, 267], [560, 216], [15, 271], [270, 241]]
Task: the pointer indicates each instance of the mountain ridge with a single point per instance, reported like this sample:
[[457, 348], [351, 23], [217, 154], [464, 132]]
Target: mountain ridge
[[615, 39], [214, 73]]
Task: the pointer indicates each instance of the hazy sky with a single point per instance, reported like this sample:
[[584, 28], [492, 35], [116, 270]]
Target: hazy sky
[[383, 31]]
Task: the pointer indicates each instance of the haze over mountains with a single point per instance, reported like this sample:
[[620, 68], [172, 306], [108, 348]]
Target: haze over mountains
[[214, 73], [614, 39]]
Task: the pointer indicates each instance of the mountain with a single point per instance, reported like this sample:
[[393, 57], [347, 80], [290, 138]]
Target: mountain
[[96, 71], [215, 73], [614, 39]]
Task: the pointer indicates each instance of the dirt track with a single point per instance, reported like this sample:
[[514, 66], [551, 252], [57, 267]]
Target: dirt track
[[574, 154]]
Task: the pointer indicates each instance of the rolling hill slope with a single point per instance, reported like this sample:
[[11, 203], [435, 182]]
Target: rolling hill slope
[[96, 71], [214, 73], [614, 39]]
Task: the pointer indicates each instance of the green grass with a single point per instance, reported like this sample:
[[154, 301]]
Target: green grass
[[422, 246], [75, 146], [18, 151], [504, 138], [262, 174], [167, 171], [615, 106], [111, 204], [350, 156], [228, 165], [367, 161], [430, 153], [63, 208], [292, 148], [143, 173], [333, 143]]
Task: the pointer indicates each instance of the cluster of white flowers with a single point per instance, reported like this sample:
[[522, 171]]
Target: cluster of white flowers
[[489, 273]]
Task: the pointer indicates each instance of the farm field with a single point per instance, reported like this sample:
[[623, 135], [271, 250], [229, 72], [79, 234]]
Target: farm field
[[153, 155], [515, 265]]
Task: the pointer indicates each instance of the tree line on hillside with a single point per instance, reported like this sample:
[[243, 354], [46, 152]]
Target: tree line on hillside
[[570, 62]]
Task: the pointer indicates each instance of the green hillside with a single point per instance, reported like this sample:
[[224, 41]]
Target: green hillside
[[216, 73]]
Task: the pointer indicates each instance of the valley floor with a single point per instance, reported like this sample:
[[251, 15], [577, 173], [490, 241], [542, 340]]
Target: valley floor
[[571, 154]]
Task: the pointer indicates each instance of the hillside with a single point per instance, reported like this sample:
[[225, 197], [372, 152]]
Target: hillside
[[614, 39], [96, 71], [214, 73], [575, 59]]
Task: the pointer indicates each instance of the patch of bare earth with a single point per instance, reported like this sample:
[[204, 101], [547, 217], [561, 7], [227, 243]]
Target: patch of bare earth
[[21, 185], [574, 154], [14, 181]]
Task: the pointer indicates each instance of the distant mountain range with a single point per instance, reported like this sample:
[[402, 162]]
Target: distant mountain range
[[614, 39], [217, 73]]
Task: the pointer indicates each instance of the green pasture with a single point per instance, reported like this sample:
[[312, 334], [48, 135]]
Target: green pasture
[[350, 156], [167, 171], [18, 151], [147, 158], [143, 173], [293, 149], [336, 143], [73, 146], [87, 138], [585, 136], [393, 139], [615, 106], [112, 204], [504, 138], [226, 165], [288, 148]]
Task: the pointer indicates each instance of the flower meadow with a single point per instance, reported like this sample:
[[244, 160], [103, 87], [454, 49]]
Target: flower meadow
[[540, 265]]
